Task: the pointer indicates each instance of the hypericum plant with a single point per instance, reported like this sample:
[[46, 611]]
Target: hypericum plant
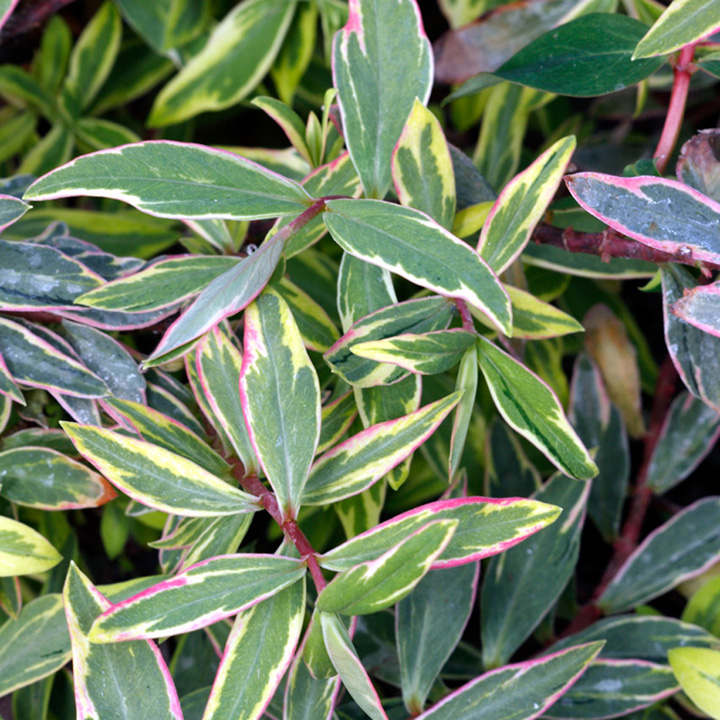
[[297, 379]]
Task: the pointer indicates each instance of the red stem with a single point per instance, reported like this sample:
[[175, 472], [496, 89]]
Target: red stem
[[467, 321], [676, 108]]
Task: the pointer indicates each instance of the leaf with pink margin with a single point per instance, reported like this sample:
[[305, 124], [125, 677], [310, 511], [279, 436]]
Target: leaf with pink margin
[[700, 307], [486, 526], [684, 547], [699, 163], [203, 183], [123, 681], [6, 9], [694, 352], [11, 209], [523, 691], [7, 384], [200, 595], [663, 214]]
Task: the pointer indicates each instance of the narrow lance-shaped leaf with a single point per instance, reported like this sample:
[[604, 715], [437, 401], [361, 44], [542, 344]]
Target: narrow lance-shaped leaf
[[23, 550], [219, 364], [465, 383], [422, 168], [257, 653], [524, 691], [119, 680], [377, 81], [201, 595], [532, 409], [226, 295], [523, 583], [349, 666], [380, 583], [237, 55], [521, 205], [486, 526], [46, 479], [682, 23], [357, 463], [409, 243], [7, 384], [664, 214], [698, 671], [680, 549], [157, 477], [203, 182], [276, 367], [11, 209]]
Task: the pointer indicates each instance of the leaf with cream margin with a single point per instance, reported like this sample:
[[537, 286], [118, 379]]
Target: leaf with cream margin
[[123, 680], [23, 550]]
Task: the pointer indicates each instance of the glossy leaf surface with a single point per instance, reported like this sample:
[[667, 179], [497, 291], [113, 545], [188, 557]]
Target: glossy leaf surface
[[24, 550]]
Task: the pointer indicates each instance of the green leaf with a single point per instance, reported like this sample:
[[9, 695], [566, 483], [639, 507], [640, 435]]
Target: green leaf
[[35, 645], [640, 637], [412, 316], [357, 463], [257, 653], [524, 583], [24, 551], [664, 214], [486, 527], [430, 623], [465, 383], [703, 608], [219, 364], [521, 205], [688, 433], [509, 473], [361, 289], [15, 133], [226, 295], [99, 134], [53, 150], [694, 352], [349, 667], [529, 406], [377, 80], [306, 696], [610, 688], [680, 549], [205, 183], [164, 24], [380, 583], [11, 209], [200, 595], [157, 477], [422, 168], [534, 319], [124, 680], [50, 61], [168, 433], [698, 306], [46, 479], [409, 243], [336, 418], [235, 58], [290, 122], [698, 672], [535, 686], [423, 353], [94, 54], [35, 362], [591, 55], [683, 23], [276, 367], [19, 88]]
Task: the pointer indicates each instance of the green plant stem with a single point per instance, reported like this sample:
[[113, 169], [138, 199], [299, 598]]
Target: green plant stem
[[676, 108]]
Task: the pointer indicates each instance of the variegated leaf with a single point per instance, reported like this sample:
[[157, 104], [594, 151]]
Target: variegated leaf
[[276, 367], [207, 183], [354, 465], [24, 550], [521, 205], [200, 595], [235, 58], [534, 319], [465, 383], [7, 384], [486, 526], [123, 680], [157, 477], [46, 479], [698, 671], [257, 653], [11, 209], [412, 316], [380, 583], [409, 243], [529, 406], [699, 306], [336, 418], [219, 364], [664, 214], [378, 80], [424, 353], [536, 686], [34, 361], [422, 169]]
